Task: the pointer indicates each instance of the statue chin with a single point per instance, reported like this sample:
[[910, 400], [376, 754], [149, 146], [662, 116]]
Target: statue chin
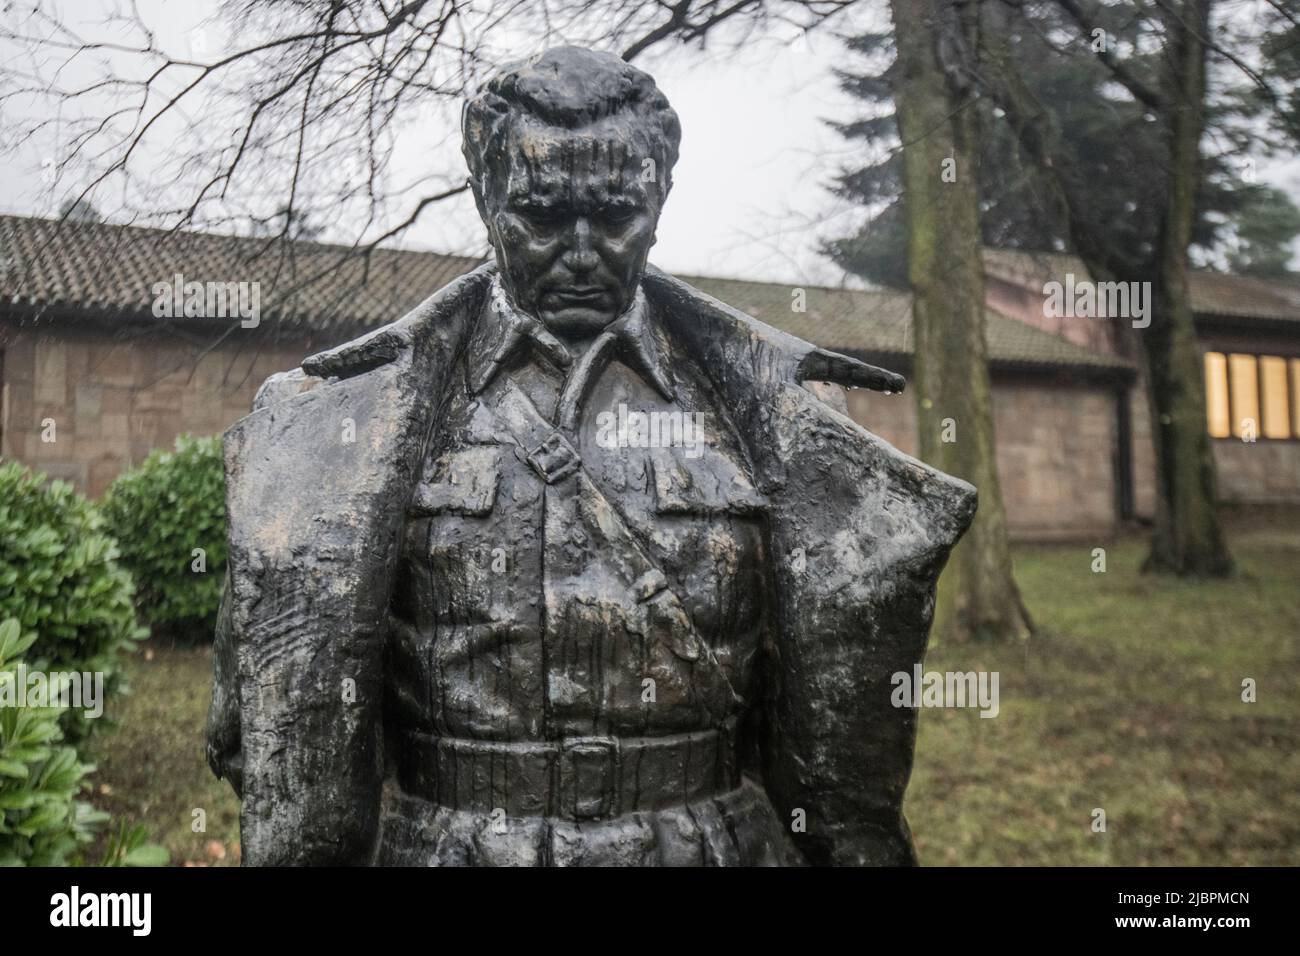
[[576, 322]]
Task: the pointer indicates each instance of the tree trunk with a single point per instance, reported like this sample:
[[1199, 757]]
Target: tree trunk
[[978, 596], [1188, 538]]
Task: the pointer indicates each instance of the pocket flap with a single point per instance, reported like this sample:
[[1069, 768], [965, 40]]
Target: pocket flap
[[462, 482], [707, 485]]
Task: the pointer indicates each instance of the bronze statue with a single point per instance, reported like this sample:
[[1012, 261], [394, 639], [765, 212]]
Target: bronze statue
[[568, 566]]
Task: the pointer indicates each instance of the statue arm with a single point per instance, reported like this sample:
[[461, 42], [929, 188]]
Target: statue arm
[[837, 755], [860, 534], [296, 718], [224, 753]]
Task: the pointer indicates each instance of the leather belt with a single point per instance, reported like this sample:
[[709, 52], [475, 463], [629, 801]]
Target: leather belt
[[578, 778]]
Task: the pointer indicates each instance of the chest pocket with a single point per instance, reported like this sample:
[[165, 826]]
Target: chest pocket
[[461, 482], [706, 486], [709, 532]]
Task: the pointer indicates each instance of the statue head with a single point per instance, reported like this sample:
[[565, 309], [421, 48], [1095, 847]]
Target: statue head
[[570, 157]]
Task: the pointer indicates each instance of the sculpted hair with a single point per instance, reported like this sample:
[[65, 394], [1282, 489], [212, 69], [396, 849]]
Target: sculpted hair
[[569, 88]]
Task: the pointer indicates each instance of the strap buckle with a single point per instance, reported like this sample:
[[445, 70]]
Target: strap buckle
[[554, 459]]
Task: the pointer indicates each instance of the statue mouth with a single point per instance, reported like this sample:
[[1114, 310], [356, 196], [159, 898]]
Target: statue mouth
[[588, 296]]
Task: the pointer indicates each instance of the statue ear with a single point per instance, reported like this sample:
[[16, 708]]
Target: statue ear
[[479, 202]]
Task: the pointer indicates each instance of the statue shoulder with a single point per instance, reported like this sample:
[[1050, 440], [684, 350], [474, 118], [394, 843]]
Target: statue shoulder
[[440, 317], [283, 385], [736, 341]]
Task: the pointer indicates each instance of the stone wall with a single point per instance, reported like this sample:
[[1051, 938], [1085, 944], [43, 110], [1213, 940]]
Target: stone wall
[[112, 400], [1259, 472], [1056, 451]]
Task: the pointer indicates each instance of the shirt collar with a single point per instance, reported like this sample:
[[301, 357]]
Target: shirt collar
[[504, 331]]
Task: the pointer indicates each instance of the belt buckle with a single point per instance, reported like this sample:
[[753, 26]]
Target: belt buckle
[[589, 777], [553, 459]]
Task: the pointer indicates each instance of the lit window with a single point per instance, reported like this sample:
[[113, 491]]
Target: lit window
[[1216, 393], [1277, 416], [1243, 379], [1295, 397], [1252, 396]]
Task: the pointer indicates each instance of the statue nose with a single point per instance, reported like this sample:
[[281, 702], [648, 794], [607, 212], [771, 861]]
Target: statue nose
[[581, 254]]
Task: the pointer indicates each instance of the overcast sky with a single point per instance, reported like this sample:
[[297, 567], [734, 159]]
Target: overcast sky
[[750, 195]]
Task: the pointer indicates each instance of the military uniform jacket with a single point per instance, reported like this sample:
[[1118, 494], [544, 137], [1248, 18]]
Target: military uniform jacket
[[466, 624]]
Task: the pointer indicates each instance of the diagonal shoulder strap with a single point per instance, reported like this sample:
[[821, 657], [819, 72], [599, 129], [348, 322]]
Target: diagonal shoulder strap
[[552, 456], [540, 443]]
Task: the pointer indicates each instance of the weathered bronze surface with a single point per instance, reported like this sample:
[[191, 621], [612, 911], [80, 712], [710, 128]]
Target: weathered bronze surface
[[568, 566]]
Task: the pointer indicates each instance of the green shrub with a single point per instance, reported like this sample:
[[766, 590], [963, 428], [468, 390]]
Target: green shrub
[[130, 846], [160, 512], [59, 578], [42, 823]]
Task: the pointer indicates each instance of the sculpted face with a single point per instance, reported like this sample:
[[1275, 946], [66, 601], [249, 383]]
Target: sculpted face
[[572, 216]]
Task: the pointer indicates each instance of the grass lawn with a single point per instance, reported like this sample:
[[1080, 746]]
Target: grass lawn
[[1129, 701], [152, 768]]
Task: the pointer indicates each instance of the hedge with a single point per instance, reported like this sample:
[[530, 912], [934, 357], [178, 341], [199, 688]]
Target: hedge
[[60, 580], [42, 821], [168, 515]]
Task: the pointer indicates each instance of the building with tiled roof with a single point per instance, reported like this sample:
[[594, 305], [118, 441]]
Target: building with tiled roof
[[879, 325], [98, 367], [1213, 293], [1248, 330], [50, 269]]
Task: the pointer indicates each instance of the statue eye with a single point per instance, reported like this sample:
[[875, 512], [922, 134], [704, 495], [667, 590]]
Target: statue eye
[[543, 217], [619, 215]]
